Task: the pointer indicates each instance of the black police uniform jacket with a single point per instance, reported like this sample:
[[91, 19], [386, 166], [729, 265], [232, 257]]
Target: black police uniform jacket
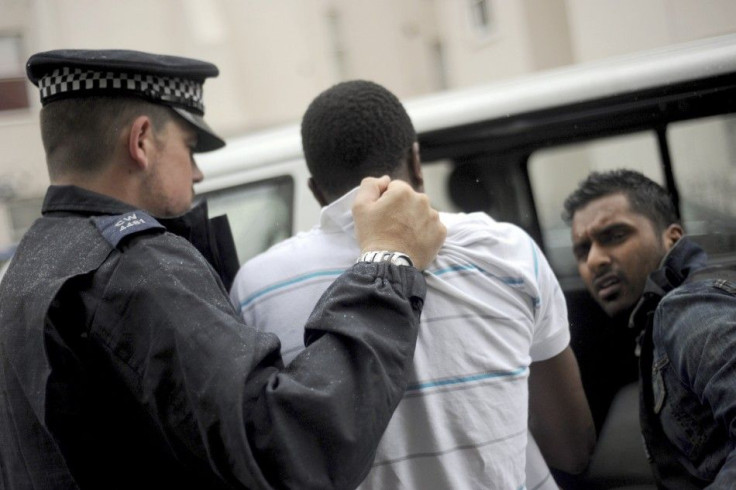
[[123, 364]]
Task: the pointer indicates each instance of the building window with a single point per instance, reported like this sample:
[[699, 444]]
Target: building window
[[13, 87], [481, 16]]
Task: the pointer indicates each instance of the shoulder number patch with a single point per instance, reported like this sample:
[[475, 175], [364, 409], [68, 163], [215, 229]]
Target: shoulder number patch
[[115, 228]]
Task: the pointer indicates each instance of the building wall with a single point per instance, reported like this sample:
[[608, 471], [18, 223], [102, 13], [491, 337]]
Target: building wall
[[548, 33], [275, 56], [605, 28], [387, 42], [474, 56]]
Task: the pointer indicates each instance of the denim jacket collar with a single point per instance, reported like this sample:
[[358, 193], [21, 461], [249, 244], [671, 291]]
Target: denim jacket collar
[[683, 258]]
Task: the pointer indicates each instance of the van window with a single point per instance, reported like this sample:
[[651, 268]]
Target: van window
[[703, 153], [555, 172], [436, 175], [260, 213]]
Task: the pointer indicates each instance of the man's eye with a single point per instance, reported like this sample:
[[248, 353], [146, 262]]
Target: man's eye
[[581, 252], [615, 236]]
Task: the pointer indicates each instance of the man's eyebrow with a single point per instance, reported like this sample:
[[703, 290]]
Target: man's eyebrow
[[609, 227], [595, 232]]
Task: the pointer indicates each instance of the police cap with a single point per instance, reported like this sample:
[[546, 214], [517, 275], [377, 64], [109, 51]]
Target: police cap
[[162, 79]]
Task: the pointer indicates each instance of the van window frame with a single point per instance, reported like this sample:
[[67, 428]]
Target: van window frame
[[517, 136]]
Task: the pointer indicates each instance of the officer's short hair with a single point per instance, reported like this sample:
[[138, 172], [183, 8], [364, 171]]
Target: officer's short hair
[[353, 130], [645, 196], [79, 135]]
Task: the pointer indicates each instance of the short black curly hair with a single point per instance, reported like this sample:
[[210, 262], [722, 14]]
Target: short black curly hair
[[645, 196], [352, 130]]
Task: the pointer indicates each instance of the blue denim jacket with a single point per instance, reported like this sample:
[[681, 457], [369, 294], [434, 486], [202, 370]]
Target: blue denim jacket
[[688, 363]]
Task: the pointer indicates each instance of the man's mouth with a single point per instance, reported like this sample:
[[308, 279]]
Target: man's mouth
[[607, 286]]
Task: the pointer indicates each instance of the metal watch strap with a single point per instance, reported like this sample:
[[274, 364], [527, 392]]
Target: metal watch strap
[[396, 258]]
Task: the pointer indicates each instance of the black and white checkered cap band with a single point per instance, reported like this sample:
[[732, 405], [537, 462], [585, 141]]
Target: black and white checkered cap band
[[76, 81]]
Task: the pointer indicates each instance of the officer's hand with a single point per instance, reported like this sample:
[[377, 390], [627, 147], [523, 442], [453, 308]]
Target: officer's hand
[[390, 215]]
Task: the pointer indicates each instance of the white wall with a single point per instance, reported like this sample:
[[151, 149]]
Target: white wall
[[276, 55], [474, 57], [604, 28]]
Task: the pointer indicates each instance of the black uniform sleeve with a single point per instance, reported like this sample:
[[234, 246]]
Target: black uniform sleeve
[[217, 390]]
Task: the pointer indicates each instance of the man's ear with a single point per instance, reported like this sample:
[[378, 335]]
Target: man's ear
[[141, 141], [673, 233], [316, 192], [415, 168]]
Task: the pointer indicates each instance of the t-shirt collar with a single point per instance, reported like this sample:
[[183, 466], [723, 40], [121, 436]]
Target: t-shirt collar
[[338, 215]]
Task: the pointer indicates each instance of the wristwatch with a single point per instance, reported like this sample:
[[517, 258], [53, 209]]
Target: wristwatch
[[396, 258]]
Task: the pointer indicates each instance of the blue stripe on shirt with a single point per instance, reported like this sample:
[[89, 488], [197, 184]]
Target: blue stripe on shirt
[[514, 282], [464, 379], [509, 281], [289, 282]]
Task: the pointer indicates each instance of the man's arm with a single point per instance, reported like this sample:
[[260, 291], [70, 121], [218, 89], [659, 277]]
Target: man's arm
[[696, 324], [559, 416]]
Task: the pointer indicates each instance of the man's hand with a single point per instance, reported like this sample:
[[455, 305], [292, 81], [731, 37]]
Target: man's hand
[[390, 215]]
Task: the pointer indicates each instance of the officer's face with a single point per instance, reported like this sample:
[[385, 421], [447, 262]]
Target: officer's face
[[616, 249], [170, 186]]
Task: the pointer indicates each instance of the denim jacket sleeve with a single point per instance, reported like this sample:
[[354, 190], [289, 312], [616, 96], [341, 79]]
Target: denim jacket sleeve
[[695, 330]]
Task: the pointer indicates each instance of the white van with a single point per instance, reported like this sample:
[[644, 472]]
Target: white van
[[515, 150]]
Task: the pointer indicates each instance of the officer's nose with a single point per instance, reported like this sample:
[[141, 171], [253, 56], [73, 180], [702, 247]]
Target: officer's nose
[[197, 175]]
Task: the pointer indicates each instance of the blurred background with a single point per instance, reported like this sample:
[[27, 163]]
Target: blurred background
[[275, 56]]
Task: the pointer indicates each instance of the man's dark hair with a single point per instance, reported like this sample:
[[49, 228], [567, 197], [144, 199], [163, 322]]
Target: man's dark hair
[[353, 130], [79, 134], [645, 196]]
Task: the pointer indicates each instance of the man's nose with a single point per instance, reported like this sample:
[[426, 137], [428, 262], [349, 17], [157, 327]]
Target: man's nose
[[598, 257]]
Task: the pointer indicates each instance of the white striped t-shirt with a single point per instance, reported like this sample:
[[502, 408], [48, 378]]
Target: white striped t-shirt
[[493, 306]]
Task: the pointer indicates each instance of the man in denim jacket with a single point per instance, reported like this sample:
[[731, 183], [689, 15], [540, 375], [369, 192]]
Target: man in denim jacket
[[635, 261]]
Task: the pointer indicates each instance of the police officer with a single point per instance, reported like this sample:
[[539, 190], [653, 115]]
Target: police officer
[[123, 363]]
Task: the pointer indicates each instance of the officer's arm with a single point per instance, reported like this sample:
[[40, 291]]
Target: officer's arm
[[218, 392]]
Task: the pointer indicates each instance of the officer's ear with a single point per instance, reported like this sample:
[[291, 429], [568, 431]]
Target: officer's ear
[[141, 141]]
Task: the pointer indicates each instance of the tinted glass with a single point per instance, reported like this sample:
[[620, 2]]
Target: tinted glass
[[260, 213], [554, 173]]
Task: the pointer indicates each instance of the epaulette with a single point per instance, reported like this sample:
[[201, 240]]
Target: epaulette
[[117, 227]]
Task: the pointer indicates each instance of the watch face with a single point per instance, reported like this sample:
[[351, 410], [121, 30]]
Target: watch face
[[396, 258], [400, 259]]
